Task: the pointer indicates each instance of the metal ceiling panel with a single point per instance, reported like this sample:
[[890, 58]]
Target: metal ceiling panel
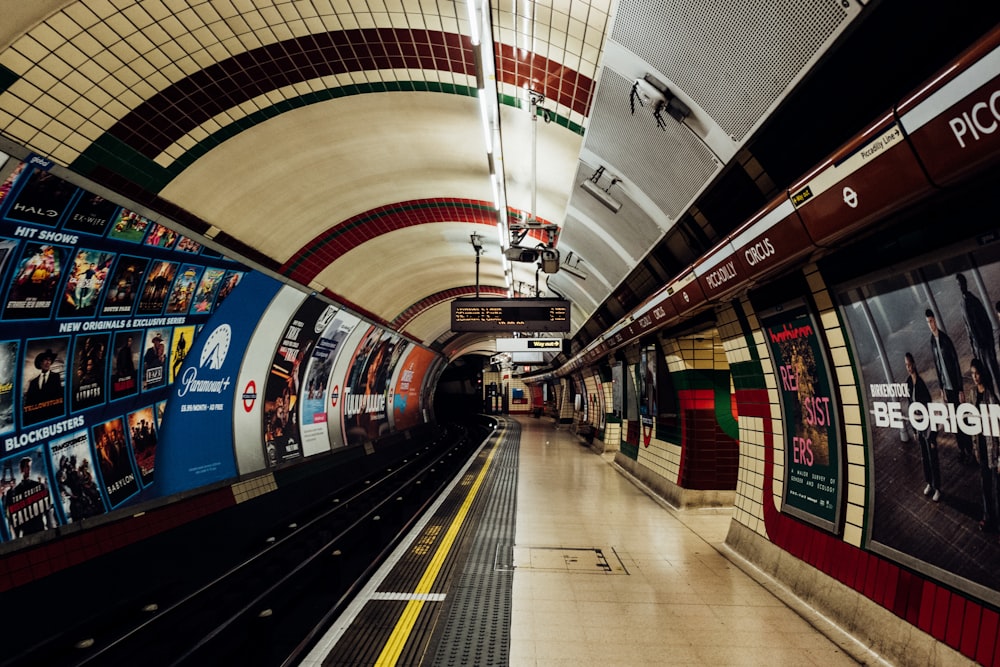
[[670, 165], [734, 59]]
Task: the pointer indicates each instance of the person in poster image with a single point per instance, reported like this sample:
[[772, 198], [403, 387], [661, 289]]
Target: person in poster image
[[28, 505], [949, 375], [43, 397], [986, 447], [154, 363], [980, 330], [919, 393]]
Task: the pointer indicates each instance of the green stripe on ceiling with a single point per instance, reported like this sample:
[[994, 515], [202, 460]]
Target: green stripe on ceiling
[[7, 78], [120, 158]]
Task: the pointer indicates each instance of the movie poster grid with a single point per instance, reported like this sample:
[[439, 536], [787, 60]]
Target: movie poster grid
[[112, 314], [933, 415]]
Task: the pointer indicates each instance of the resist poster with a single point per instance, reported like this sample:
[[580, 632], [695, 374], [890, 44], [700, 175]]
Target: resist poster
[[812, 442]]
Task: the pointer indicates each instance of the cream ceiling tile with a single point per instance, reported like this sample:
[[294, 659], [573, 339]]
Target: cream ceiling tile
[[5, 118], [64, 26], [138, 16], [15, 62], [81, 14], [432, 22], [155, 8], [416, 22], [281, 32], [238, 25], [331, 22], [270, 15], [44, 144], [58, 131], [365, 20], [84, 107], [115, 108], [100, 97], [24, 90], [21, 131], [399, 21], [218, 52], [298, 28], [196, 135], [77, 143], [250, 41], [31, 49], [130, 100], [63, 94], [102, 8], [35, 117], [314, 25], [349, 21], [208, 13], [93, 72], [49, 105], [451, 24]]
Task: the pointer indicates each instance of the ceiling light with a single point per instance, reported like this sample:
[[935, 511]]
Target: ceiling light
[[602, 195]]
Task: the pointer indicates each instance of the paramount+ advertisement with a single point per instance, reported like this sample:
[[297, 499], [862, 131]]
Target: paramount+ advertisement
[[926, 341], [99, 307]]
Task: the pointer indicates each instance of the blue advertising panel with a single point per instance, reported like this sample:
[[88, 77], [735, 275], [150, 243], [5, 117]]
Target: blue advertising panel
[[200, 405], [98, 308]]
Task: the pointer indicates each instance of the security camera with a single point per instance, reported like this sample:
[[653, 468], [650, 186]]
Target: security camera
[[517, 253]]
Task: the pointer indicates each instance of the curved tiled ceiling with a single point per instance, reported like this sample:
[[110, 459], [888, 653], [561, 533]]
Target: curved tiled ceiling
[[339, 143]]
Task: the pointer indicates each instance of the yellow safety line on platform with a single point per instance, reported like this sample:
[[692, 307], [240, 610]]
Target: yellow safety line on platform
[[397, 640]]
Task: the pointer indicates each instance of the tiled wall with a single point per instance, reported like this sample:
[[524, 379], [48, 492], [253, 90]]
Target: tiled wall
[[902, 615]]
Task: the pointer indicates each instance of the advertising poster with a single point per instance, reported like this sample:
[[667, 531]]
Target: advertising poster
[[926, 336], [185, 244], [88, 273], [406, 395], [43, 382], [124, 285], [73, 461], [203, 400], [125, 364], [76, 382], [42, 199], [156, 288], [182, 294], [26, 500], [617, 387], [129, 227], [8, 380], [286, 383], [33, 288], [229, 283], [154, 358], [812, 480], [314, 413], [159, 236], [114, 461], [88, 387], [208, 289], [142, 435], [364, 400], [91, 214], [181, 343]]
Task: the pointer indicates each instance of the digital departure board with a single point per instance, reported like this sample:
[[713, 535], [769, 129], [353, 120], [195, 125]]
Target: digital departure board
[[510, 315]]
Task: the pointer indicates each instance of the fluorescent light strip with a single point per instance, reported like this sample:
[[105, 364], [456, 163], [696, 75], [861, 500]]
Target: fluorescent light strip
[[485, 115], [473, 24]]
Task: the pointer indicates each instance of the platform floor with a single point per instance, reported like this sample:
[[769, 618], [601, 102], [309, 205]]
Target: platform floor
[[606, 574]]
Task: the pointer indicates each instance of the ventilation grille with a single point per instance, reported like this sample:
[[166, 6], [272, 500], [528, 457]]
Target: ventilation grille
[[669, 165], [734, 58]]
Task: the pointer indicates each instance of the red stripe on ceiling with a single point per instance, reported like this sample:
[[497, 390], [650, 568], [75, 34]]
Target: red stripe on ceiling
[[553, 80], [408, 315], [336, 241], [173, 112]]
